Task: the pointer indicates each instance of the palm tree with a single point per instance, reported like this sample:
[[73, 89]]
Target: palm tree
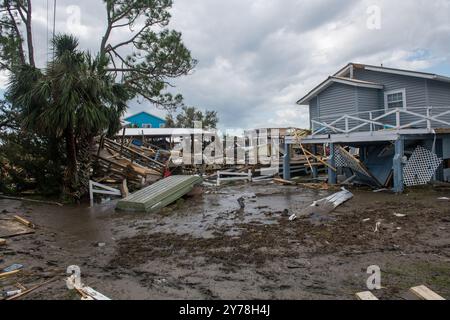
[[73, 99]]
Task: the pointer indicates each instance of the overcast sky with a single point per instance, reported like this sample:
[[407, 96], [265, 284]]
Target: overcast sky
[[258, 57]]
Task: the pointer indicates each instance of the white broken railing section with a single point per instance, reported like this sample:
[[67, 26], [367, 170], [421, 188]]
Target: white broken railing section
[[87, 293], [97, 188], [391, 120], [223, 176]]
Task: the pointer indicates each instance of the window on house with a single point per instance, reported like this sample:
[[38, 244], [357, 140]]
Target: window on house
[[146, 126], [395, 99]]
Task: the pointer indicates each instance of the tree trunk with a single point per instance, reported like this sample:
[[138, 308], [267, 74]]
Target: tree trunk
[[30, 35], [85, 163], [71, 183]]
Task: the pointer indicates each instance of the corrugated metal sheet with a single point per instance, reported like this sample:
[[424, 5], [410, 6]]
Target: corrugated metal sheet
[[159, 194]]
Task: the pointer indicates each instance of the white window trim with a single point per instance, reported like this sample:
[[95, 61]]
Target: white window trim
[[386, 93]]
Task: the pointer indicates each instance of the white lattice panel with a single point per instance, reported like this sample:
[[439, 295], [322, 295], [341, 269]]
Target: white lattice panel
[[345, 160], [420, 167]]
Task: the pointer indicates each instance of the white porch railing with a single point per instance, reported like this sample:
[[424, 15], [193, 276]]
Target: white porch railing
[[377, 120]]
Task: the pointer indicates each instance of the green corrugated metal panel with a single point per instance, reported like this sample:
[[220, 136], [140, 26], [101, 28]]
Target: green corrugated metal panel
[[159, 194]]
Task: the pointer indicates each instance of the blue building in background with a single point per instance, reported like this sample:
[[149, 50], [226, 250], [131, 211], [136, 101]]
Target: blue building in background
[[145, 120]]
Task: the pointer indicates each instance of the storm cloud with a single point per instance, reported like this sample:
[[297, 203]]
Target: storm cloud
[[258, 57]]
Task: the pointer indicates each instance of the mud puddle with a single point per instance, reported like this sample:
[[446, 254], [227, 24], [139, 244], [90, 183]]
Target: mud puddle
[[237, 243]]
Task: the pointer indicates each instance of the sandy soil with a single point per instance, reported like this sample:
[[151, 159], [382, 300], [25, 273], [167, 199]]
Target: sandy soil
[[209, 247]]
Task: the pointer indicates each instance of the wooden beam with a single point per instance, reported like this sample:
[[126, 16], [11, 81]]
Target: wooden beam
[[7, 274], [282, 181], [31, 290], [366, 296], [425, 293], [25, 222]]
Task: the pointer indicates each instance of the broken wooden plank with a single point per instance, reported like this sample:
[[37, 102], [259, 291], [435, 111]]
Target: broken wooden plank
[[11, 228], [425, 293], [7, 274], [282, 181], [2, 242], [124, 189], [25, 222], [366, 296], [31, 289]]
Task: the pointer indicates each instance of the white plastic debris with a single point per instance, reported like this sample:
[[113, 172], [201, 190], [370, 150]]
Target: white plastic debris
[[377, 227], [399, 215]]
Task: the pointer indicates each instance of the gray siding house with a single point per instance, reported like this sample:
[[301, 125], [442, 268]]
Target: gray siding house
[[366, 92], [398, 120]]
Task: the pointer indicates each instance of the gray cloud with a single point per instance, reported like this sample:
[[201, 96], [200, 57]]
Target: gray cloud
[[257, 57]]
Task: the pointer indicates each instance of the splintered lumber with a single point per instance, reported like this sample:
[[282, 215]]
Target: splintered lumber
[[160, 194], [7, 274], [319, 159], [11, 228], [2, 242], [425, 293], [124, 189], [366, 296], [31, 289], [135, 156], [282, 181], [24, 222]]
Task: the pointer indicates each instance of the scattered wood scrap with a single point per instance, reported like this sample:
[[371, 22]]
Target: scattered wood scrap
[[25, 222], [284, 182], [425, 293], [2, 242], [7, 274], [366, 296], [11, 228], [26, 292]]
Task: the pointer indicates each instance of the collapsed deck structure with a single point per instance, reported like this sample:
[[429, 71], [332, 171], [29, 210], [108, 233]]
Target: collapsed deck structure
[[396, 122]]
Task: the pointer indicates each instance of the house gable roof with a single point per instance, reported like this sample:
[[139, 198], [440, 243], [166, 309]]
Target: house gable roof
[[409, 73], [146, 113], [343, 76], [336, 79]]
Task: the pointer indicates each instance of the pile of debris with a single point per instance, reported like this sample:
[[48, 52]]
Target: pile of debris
[[115, 162]]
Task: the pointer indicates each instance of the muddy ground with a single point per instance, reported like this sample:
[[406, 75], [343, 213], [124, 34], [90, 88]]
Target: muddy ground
[[209, 247]]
